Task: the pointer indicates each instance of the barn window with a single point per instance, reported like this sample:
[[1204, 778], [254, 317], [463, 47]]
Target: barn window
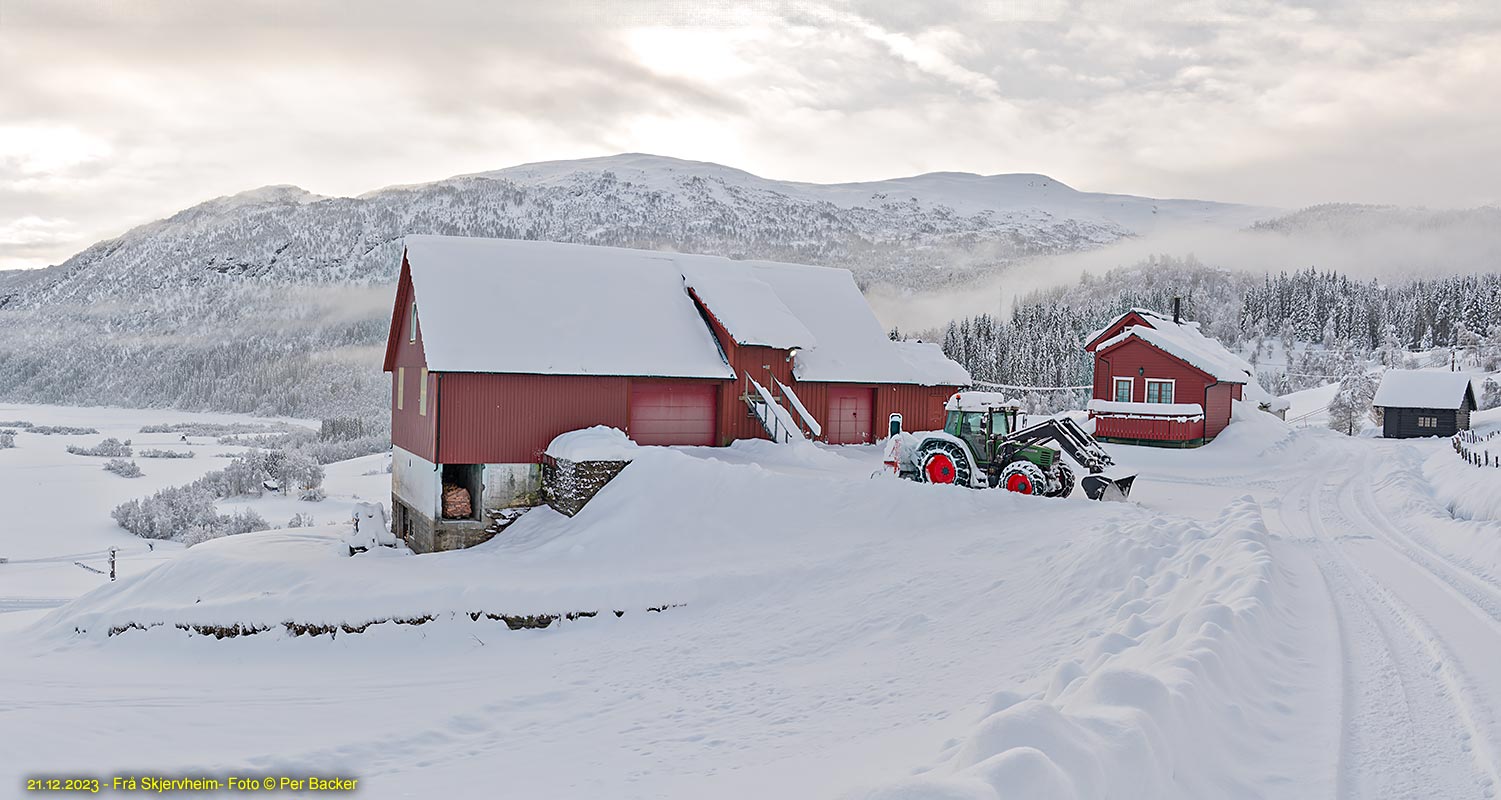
[[422, 394], [1159, 391], [412, 332], [1123, 390], [401, 387], [1427, 422]]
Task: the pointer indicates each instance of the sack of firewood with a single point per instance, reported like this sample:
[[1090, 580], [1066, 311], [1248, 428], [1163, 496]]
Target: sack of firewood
[[456, 503]]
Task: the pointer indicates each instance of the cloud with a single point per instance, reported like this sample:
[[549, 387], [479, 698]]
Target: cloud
[[112, 114]]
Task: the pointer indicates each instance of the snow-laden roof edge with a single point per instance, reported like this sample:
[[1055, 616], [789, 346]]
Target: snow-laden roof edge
[[1415, 388], [979, 401], [1146, 409], [1148, 313], [1198, 351]]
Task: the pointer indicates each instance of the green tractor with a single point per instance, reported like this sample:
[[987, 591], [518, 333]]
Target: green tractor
[[981, 445]]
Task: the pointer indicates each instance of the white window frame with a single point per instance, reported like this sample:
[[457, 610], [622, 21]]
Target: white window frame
[[401, 388], [412, 334], [1172, 387], [1115, 385], [422, 395]]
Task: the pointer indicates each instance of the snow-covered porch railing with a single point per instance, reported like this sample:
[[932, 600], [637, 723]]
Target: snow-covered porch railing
[[774, 418], [1180, 412], [1162, 422]]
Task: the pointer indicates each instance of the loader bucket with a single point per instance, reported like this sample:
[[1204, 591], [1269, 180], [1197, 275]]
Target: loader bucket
[[1099, 487]]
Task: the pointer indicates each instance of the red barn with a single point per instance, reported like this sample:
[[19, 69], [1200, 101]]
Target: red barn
[[497, 346], [1159, 381]]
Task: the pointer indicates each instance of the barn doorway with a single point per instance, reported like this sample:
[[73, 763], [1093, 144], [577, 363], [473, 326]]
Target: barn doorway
[[851, 415], [673, 413], [470, 478]]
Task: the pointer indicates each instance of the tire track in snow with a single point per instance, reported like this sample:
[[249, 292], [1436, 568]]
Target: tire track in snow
[[1406, 732], [1434, 743]]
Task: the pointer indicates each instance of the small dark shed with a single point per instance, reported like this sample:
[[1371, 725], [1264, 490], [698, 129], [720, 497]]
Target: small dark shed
[[1418, 403]]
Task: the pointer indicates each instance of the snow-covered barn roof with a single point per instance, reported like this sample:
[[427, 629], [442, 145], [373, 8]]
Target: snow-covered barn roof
[[492, 305], [499, 305], [747, 306], [930, 364], [1413, 388], [1182, 340], [850, 344]]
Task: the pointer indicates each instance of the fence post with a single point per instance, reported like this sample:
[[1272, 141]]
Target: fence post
[[112, 563]]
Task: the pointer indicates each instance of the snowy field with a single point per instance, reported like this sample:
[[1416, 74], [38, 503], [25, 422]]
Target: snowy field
[[1284, 613]]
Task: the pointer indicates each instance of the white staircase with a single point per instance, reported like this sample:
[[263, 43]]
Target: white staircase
[[775, 419]]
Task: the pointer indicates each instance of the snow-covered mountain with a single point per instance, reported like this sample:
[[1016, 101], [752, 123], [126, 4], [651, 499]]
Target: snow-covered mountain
[[276, 300], [913, 232]]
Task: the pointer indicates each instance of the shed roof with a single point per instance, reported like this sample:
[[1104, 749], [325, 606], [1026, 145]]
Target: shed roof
[[1413, 388]]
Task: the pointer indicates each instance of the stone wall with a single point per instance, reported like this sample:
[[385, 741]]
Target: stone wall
[[568, 485]]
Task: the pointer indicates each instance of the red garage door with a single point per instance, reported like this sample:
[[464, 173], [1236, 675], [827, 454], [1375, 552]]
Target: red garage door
[[673, 413], [851, 412]]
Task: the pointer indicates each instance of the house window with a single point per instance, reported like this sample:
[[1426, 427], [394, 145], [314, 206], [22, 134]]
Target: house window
[[1159, 391], [412, 333], [401, 387], [422, 394], [1123, 390], [1427, 422]]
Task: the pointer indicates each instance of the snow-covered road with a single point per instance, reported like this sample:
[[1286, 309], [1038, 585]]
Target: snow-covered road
[[1283, 613], [1420, 636]]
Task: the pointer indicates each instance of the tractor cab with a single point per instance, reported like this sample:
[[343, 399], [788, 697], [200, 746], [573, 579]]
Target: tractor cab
[[981, 419]]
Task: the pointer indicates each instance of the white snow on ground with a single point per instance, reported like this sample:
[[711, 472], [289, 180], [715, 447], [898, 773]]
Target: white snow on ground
[[1282, 613]]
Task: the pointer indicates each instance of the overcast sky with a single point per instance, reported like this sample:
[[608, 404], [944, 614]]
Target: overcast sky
[[115, 113]]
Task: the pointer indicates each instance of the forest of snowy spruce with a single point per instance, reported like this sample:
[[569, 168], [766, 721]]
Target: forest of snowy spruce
[[1328, 325]]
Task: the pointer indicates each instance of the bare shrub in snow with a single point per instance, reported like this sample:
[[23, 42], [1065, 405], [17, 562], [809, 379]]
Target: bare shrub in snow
[[216, 428], [300, 520], [186, 514], [7, 440], [313, 495], [168, 513], [61, 430], [15, 424], [111, 448], [152, 453], [123, 468], [250, 472]]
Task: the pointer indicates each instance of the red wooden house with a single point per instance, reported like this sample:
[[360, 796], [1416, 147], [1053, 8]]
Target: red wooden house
[[497, 346], [1159, 381]]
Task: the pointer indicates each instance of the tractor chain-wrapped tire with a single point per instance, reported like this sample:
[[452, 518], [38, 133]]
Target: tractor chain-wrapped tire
[[944, 462], [1023, 477], [1065, 478]]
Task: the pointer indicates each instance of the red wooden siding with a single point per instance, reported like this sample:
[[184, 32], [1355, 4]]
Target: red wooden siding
[[1138, 360], [410, 430], [1217, 407], [487, 418], [748, 361], [1159, 430], [850, 415], [673, 412]]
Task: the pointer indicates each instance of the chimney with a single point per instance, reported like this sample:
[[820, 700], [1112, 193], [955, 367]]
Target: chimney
[[1177, 309]]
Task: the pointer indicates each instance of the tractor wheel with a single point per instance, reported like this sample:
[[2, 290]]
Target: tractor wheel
[[1023, 477], [945, 462], [1065, 478]]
